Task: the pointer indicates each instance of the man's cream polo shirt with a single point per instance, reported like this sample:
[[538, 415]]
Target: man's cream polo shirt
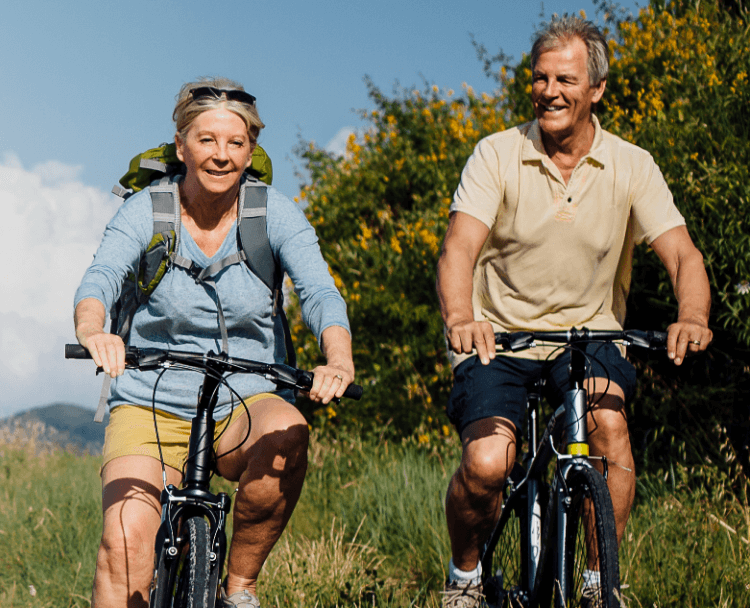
[[559, 256]]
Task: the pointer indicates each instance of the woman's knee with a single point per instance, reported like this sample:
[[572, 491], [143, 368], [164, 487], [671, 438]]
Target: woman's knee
[[127, 545]]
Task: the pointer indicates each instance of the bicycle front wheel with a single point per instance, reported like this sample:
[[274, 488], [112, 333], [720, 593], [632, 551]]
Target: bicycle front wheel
[[512, 552], [185, 581], [590, 543]]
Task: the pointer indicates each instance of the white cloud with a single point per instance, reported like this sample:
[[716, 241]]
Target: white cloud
[[337, 145], [51, 227]]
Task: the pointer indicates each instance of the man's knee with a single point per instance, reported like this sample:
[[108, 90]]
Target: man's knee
[[488, 455], [608, 429]]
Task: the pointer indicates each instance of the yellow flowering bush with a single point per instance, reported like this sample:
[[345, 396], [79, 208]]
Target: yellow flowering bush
[[380, 211], [678, 87]]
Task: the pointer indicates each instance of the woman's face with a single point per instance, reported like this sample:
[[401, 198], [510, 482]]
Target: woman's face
[[215, 151]]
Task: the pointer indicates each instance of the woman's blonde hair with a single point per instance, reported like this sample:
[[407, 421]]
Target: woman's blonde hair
[[188, 109]]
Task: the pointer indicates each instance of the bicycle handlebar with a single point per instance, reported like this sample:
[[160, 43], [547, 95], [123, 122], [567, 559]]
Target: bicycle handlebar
[[521, 340], [153, 358]]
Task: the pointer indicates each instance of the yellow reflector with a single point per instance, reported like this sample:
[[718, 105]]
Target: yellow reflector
[[578, 449]]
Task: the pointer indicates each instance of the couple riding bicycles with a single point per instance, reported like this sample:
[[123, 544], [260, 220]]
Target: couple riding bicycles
[[541, 237]]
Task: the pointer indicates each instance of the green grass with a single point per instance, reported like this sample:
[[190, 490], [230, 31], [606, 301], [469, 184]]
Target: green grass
[[369, 531]]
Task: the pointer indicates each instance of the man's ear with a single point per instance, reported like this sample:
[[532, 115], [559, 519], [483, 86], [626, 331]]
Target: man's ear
[[598, 91]]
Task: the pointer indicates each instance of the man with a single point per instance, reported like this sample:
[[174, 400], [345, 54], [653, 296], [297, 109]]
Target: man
[[540, 236]]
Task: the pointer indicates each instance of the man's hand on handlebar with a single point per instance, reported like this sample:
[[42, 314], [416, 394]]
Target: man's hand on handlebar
[[687, 338], [465, 336]]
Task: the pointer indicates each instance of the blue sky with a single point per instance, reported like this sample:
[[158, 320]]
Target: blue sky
[[89, 84]]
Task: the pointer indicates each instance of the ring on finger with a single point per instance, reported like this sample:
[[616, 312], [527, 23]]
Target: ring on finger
[[339, 376], [696, 342]]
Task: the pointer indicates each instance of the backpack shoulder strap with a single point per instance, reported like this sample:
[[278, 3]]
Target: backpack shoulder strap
[[252, 233], [165, 201]]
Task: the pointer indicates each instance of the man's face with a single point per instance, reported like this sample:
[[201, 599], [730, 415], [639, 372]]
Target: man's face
[[561, 93]]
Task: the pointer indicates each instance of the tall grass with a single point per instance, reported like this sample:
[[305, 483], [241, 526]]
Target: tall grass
[[369, 531]]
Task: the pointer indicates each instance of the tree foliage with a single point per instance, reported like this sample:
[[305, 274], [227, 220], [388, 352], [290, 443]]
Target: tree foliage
[[678, 87], [381, 211]]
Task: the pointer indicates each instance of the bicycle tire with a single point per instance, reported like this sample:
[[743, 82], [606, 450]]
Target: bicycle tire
[[587, 489], [185, 580], [505, 562]]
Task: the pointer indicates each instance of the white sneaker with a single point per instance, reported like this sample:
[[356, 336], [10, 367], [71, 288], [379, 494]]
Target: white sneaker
[[241, 599], [463, 595]]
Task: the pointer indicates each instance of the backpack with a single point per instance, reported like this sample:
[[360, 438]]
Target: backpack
[[160, 169]]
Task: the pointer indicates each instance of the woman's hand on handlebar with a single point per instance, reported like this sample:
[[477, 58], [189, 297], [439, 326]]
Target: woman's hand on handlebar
[[107, 351], [330, 382]]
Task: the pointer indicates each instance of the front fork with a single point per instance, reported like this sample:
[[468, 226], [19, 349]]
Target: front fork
[[176, 506], [577, 452]]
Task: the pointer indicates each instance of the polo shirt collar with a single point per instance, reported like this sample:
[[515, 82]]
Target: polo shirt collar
[[533, 148]]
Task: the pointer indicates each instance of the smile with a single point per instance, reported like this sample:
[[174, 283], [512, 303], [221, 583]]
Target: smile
[[551, 108], [218, 173]]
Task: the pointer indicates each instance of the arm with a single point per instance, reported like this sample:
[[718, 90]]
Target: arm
[[463, 242], [107, 350], [684, 263], [332, 379]]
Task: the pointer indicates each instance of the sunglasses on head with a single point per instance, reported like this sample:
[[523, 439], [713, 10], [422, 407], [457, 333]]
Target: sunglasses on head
[[214, 93]]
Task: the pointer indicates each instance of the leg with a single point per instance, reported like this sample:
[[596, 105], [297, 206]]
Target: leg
[[474, 493], [270, 467], [608, 436], [130, 501]]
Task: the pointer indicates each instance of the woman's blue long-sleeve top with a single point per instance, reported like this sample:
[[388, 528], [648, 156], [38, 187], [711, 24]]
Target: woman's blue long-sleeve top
[[182, 315]]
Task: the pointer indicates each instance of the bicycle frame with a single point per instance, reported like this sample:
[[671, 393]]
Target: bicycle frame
[[194, 497], [194, 501], [569, 421]]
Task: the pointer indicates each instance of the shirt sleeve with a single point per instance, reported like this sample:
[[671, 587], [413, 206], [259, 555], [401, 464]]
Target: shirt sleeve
[[480, 190], [126, 236], [295, 244], [653, 208]]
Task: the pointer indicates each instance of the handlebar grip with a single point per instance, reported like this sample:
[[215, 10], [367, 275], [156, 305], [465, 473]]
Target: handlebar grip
[[353, 391], [76, 351]]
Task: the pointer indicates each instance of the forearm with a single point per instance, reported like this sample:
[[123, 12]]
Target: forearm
[[692, 290], [336, 344], [89, 318], [454, 287]]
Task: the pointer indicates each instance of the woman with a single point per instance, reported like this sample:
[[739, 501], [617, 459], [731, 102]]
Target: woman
[[217, 129]]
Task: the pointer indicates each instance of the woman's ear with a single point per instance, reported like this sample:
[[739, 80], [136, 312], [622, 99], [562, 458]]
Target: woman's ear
[[178, 147]]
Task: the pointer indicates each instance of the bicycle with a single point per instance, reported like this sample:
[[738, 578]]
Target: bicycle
[[190, 545], [539, 547]]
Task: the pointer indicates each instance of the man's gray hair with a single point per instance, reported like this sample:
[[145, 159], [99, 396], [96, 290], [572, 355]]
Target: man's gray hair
[[559, 32]]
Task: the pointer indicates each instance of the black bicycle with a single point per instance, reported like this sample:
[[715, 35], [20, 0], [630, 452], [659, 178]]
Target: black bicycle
[[191, 542], [557, 519]]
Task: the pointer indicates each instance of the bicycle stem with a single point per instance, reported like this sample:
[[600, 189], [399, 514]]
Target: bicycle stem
[[198, 468]]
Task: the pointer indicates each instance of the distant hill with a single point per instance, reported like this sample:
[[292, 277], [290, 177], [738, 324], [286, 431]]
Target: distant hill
[[65, 424]]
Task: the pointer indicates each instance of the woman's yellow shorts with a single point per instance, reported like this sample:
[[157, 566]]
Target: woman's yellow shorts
[[130, 432]]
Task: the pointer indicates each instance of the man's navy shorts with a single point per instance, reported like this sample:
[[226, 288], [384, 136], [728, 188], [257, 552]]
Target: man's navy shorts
[[500, 388]]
